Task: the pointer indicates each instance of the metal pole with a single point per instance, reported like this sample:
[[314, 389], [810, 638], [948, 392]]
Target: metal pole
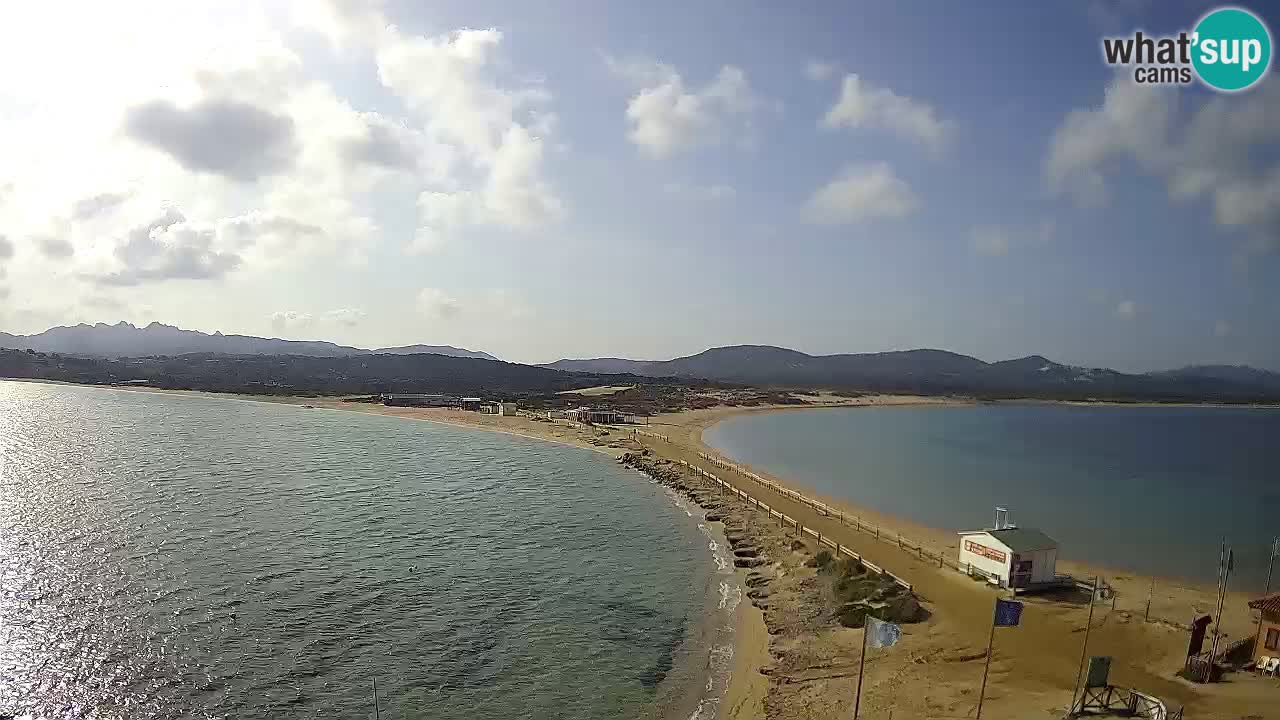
[[1257, 638], [1084, 650], [990, 641], [1146, 616], [862, 663], [1217, 622]]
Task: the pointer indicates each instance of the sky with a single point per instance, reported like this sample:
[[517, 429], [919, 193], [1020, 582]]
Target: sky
[[645, 180]]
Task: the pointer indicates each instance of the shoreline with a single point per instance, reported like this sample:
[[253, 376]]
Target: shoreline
[[1047, 650]]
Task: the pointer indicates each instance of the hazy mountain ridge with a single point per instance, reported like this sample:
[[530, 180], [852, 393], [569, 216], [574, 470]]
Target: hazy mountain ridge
[[940, 371], [127, 340]]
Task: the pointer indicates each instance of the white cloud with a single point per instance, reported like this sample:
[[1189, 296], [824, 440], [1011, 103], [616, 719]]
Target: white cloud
[[234, 139], [437, 304], [862, 105], [6, 248], [289, 320], [665, 116], [348, 317], [168, 248], [54, 247], [1222, 150], [450, 83], [818, 70], [1127, 309], [860, 193]]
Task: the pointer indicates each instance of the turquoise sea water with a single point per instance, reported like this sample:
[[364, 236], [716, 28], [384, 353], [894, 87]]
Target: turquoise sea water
[[1147, 489], [165, 557]]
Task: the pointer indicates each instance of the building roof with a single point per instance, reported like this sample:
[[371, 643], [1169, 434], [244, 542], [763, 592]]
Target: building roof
[[1270, 603], [1023, 539]]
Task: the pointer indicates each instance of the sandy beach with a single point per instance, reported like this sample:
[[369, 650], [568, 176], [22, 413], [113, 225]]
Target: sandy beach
[[936, 670]]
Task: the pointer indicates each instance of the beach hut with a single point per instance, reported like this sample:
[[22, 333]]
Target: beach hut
[[506, 408], [1010, 556], [1267, 642]]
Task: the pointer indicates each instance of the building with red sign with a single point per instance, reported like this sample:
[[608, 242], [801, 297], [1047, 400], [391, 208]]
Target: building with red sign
[[1010, 556]]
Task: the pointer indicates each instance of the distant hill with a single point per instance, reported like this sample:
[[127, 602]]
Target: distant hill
[[939, 371], [363, 374], [127, 340], [448, 350], [1242, 374]]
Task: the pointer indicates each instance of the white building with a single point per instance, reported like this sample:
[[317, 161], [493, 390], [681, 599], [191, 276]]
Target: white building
[[506, 408], [1012, 556]]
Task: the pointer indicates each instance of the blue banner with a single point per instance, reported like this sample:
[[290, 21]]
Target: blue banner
[[1008, 613]]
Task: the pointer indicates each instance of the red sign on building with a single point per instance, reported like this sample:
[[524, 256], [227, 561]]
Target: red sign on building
[[984, 551]]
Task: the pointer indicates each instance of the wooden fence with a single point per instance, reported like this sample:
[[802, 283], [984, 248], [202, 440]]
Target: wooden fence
[[853, 521], [788, 521]]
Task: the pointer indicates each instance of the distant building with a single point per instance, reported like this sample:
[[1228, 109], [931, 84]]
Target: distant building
[[1011, 556], [506, 408], [599, 416], [1268, 639], [470, 403], [420, 400]]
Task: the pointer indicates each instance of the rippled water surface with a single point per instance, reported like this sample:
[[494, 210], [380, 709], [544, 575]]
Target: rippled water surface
[[167, 557]]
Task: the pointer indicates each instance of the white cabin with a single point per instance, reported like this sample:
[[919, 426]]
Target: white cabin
[[1011, 556]]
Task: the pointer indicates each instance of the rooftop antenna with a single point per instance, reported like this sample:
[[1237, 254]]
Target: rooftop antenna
[[1002, 518]]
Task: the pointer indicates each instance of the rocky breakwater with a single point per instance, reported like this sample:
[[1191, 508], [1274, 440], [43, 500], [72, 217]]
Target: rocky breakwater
[[808, 597]]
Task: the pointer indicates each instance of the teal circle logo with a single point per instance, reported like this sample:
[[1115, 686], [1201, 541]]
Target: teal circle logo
[[1231, 49]]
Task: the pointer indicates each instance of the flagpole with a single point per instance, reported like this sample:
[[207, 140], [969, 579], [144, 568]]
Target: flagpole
[[990, 641], [1084, 649], [862, 660]]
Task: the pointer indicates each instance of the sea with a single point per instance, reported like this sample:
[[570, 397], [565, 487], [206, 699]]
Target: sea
[[1148, 489], [167, 556]]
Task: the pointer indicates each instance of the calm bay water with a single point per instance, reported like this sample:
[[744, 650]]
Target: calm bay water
[[165, 557], [1147, 489]]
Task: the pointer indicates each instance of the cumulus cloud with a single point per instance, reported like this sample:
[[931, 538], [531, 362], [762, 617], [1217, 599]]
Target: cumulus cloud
[[382, 143], [54, 247], [665, 116], [95, 205], [862, 105], [348, 317], [437, 304], [861, 193], [498, 132], [224, 137], [513, 196], [168, 248], [1221, 149], [286, 320], [1126, 309]]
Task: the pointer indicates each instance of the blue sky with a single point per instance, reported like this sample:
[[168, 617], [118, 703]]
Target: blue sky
[[644, 180]]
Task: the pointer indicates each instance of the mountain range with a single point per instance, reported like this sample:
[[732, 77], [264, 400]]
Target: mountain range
[[939, 371], [925, 371], [127, 340]]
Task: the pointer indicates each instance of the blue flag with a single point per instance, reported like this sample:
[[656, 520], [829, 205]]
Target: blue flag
[[881, 634], [1008, 613]]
